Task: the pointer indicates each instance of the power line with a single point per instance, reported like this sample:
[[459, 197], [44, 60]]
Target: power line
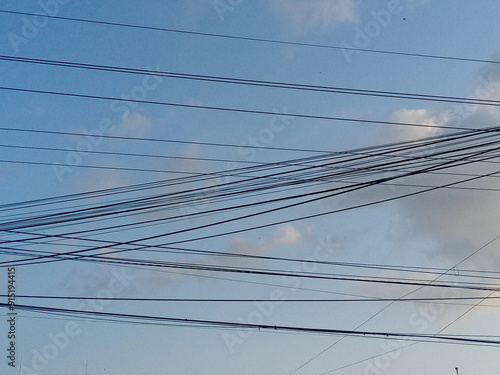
[[259, 83], [63, 217], [276, 222], [214, 174], [232, 110], [367, 151], [476, 274], [245, 300], [255, 39], [280, 273], [166, 140], [474, 340], [456, 265], [190, 323]]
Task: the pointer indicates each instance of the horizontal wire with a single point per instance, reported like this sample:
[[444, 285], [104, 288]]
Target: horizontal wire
[[254, 39], [254, 82], [284, 300], [474, 339], [263, 225], [227, 109], [218, 192]]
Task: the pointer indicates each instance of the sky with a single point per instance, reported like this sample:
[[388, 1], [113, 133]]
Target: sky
[[67, 130]]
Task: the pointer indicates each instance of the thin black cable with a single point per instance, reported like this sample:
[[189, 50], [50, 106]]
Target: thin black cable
[[262, 225], [311, 275], [180, 180], [244, 300], [476, 274], [456, 265], [227, 109], [254, 39], [254, 82], [65, 218], [227, 324]]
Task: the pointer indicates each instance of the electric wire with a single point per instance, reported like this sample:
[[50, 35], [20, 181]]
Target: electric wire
[[254, 82], [280, 222], [226, 109], [246, 300], [219, 193], [254, 39], [364, 171], [472, 339]]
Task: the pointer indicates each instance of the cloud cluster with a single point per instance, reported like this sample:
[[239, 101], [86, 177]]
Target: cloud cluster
[[284, 235], [391, 133], [458, 221], [133, 125], [306, 15]]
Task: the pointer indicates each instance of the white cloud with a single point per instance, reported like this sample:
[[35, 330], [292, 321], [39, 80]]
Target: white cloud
[[396, 133], [443, 227], [458, 222], [99, 179], [191, 152], [416, 3], [284, 235], [133, 125], [192, 12], [306, 15]]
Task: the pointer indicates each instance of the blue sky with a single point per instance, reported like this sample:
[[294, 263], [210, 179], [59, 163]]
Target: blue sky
[[438, 229]]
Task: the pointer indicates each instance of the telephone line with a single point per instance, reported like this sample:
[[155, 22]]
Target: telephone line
[[233, 110], [255, 39], [44, 259], [259, 83], [246, 300], [475, 339]]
